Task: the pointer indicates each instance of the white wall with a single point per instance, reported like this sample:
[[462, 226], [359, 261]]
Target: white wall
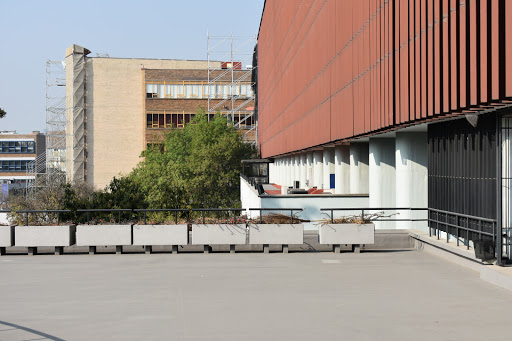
[[249, 197]]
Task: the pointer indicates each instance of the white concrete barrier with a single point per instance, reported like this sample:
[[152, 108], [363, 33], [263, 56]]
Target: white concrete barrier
[[284, 234], [35, 236], [6, 236], [346, 234], [103, 235], [160, 234], [215, 234]]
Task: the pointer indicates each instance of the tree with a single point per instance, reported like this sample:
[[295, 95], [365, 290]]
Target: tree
[[2, 113], [199, 167]]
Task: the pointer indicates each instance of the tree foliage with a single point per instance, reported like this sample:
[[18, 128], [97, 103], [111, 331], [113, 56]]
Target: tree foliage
[[199, 167]]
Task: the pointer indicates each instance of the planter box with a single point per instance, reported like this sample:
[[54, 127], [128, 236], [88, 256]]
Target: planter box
[[284, 234], [160, 234], [6, 236], [346, 234], [218, 234], [35, 236], [103, 235]]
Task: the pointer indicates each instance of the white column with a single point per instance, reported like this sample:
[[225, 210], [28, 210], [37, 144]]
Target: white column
[[296, 168], [271, 172], [342, 169], [382, 177], [303, 170], [318, 162], [412, 176], [309, 170], [291, 170], [328, 158], [359, 168]]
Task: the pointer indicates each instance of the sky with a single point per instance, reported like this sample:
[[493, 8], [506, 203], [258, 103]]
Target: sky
[[34, 31]]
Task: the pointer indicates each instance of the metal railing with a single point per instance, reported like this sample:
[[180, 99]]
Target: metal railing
[[367, 209], [277, 209], [458, 225], [35, 212]]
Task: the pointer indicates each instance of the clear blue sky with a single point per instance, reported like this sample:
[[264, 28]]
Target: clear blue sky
[[32, 32]]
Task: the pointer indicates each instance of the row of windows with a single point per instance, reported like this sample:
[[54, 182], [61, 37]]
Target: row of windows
[[200, 90], [178, 119], [13, 165], [27, 147]]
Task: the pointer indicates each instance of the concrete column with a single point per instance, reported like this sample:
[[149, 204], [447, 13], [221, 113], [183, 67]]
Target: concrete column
[[309, 170], [382, 177], [318, 163], [297, 167], [359, 168], [412, 177], [328, 161], [271, 172], [291, 170], [303, 170], [342, 169]]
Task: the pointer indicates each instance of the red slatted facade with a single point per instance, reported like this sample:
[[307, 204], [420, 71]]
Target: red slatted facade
[[331, 70]]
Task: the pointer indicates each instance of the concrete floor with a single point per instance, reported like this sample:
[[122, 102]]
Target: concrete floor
[[386, 295]]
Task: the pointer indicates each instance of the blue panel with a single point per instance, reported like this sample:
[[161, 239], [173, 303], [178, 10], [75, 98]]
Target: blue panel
[[332, 181]]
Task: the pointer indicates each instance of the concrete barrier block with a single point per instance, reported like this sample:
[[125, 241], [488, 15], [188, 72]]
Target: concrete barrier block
[[346, 234], [276, 234], [103, 235], [35, 236], [215, 234], [6, 236], [160, 234]]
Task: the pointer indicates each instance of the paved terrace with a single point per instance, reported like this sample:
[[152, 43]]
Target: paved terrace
[[375, 295]]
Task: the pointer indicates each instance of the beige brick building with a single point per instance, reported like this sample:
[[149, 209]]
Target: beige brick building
[[117, 106]]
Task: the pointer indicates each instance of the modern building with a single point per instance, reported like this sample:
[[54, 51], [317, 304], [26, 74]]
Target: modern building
[[117, 106], [405, 102], [17, 153]]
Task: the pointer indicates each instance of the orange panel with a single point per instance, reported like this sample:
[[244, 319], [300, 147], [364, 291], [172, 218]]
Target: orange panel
[[412, 65], [484, 48], [397, 62], [454, 85], [508, 48], [463, 55], [495, 55], [430, 57], [445, 57], [473, 52], [437, 58], [423, 58], [417, 58]]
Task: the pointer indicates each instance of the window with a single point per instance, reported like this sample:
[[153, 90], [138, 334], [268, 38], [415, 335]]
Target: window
[[17, 147], [197, 89], [168, 119], [13, 165], [151, 90]]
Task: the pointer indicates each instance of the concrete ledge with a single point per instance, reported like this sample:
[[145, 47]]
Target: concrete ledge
[[98, 235], [276, 234], [160, 234], [36, 236], [500, 276], [6, 236], [346, 234], [218, 234]]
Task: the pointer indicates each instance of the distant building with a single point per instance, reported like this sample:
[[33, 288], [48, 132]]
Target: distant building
[[117, 106], [17, 151]]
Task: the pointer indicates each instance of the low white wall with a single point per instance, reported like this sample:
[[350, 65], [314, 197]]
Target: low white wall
[[6, 236], [346, 234], [35, 236], [276, 234], [249, 197], [160, 234], [313, 203], [103, 235], [218, 234]]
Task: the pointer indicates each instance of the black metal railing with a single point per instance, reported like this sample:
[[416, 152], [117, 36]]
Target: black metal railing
[[35, 212], [453, 223], [368, 210], [278, 210]]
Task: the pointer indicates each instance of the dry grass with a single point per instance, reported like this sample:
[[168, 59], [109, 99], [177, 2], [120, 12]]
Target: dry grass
[[357, 219], [278, 218]]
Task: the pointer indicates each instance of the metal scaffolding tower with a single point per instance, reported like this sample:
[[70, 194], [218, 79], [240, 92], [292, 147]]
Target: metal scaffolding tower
[[49, 168], [231, 55]]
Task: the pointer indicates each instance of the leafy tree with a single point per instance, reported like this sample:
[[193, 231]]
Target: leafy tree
[[199, 167], [2, 113]]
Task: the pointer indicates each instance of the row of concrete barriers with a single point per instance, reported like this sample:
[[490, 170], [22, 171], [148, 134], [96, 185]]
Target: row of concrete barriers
[[175, 235]]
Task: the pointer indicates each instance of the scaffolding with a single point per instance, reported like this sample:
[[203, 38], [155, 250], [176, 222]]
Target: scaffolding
[[231, 57], [49, 168]]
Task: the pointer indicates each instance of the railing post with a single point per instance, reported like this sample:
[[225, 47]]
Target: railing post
[[332, 216], [26, 217], [291, 216], [203, 216], [176, 217], [457, 230], [87, 217], [58, 218], [261, 216], [467, 233], [145, 215]]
